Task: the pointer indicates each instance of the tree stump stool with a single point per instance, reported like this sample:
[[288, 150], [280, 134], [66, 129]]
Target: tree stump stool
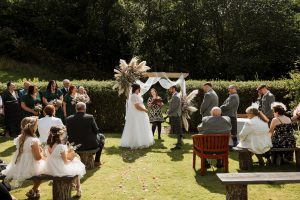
[[245, 160], [87, 157]]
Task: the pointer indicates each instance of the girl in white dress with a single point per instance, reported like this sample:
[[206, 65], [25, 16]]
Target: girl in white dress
[[137, 131], [27, 161], [60, 160]]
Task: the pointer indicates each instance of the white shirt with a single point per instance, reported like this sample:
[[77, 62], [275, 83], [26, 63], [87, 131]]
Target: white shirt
[[44, 125], [255, 136]]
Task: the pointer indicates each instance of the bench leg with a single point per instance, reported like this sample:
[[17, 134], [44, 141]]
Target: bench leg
[[87, 159], [61, 189], [236, 192], [297, 155], [194, 160], [245, 160]]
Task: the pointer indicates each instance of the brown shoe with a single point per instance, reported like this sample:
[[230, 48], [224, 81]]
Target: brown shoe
[[97, 164]]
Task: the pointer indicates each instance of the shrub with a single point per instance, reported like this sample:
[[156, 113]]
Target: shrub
[[109, 108]]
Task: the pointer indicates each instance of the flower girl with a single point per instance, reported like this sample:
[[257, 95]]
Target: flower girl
[[60, 160], [27, 160]]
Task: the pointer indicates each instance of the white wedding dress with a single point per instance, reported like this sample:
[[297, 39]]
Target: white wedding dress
[[137, 131]]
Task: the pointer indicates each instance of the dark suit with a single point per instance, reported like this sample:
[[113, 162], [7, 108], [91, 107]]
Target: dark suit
[[64, 91], [82, 129], [175, 113]]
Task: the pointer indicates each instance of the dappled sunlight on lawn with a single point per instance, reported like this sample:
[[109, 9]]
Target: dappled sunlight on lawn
[[157, 173]]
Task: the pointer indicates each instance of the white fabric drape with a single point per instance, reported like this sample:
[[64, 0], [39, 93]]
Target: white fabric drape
[[165, 82]]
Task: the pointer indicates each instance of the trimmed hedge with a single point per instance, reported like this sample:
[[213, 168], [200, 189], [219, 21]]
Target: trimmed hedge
[[109, 108]]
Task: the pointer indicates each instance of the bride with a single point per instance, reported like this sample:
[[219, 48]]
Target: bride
[[137, 131]]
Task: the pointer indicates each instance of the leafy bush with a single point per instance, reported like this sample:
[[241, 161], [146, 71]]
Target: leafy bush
[[109, 108]]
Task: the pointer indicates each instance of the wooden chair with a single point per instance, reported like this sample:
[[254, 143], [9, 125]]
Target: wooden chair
[[211, 146]]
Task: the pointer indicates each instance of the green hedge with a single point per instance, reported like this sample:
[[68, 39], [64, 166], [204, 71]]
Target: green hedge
[[109, 108]]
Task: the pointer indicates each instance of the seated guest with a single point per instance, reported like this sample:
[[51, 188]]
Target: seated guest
[[66, 86], [281, 131], [215, 124], [82, 129], [27, 160], [45, 123], [60, 160], [255, 134]]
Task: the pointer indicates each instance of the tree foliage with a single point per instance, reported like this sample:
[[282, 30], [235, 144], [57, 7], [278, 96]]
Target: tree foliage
[[212, 39]]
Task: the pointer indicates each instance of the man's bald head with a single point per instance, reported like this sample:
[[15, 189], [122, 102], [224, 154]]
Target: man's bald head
[[216, 111]]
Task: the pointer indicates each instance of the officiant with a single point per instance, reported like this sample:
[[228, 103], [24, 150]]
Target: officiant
[[155, 104]]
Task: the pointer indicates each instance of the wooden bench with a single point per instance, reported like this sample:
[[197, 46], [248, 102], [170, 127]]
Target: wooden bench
[[245, 156], [236, 183], [61, 188], [87, 157]]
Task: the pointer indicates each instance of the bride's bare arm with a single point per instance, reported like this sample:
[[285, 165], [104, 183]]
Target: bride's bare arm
[[140, 108]]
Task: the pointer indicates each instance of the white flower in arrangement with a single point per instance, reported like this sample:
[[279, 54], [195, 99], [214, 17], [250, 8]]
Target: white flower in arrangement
[[38, 108], [72, 146], [255, 105], [81, 98], [188, 108], [56, 103], [127, 74]]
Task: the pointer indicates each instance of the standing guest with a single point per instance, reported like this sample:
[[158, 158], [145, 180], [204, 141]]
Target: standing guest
[[60, 160], [45, 123], [155, 114], [215, 124], [66, 87], [255, 134], [12, 110], [210, 100], [266, 101], [259, 99], [229, 108], [69, 102], [175, 113], [82, 129], [82, 92], [55, 97], [281, 131], [27, 160], [32, 102], [24, 91]]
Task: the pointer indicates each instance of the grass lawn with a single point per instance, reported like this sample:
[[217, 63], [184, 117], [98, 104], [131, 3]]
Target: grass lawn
[[157, 173]]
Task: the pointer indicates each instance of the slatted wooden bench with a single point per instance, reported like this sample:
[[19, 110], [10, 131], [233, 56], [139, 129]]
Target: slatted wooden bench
[[245, 156], [87, 157], [61, 188], [236, 183]]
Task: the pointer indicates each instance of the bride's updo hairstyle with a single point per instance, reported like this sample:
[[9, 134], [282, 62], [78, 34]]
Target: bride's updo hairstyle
[[55, 136], [257, 113], [28, 129], [135, 87]]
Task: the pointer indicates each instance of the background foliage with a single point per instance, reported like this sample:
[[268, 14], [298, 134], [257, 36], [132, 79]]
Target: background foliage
[[109, 108], [213, 39]]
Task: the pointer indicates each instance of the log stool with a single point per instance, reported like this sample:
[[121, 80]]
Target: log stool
[[87, 157]]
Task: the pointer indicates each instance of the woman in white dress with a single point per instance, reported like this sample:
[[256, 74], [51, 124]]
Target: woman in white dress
[[27, 160], [137, 131], [255, 134], [60, 160]]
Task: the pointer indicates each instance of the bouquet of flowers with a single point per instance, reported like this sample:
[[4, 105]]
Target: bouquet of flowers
[[81, 98], [127, 74], [72, 146], [38, 108], [56, 103], [188, 108]]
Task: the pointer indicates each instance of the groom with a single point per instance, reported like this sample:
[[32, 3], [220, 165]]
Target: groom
[[175, 116]]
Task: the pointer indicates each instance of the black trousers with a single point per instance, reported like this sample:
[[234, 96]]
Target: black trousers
[[101, 141], [4, 194], [234, 130], [158, 125]]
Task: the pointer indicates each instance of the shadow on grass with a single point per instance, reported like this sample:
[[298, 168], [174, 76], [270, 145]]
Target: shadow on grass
[[210, 181], [89, 173], [177, 155], [8, 152]]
